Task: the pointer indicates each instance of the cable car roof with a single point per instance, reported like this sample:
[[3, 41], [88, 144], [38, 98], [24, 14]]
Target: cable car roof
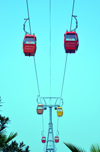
[[71, 32], [30, 36]]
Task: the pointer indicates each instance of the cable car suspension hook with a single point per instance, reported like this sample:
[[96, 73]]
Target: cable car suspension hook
[[42, 126], [74, 18], [57, 132], [61, 101], [28, 15], [57, 126], [26, 19], [39, 100], [76, 22]]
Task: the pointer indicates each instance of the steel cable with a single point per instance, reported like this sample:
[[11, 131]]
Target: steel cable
[[64, 75], [28, 15], [36, 77], [72, 14], [50, 41]]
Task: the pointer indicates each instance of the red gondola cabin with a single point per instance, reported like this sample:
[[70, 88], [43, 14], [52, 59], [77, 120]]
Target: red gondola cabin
[[43, 139], [29, 45], [71, 42], [56, 139]]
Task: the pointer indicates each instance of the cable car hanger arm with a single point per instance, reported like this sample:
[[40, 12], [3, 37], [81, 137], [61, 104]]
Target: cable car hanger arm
[[76, 22], [24, 25], [74, 17]]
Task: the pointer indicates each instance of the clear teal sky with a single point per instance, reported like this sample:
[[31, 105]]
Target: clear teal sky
[[80, 124]]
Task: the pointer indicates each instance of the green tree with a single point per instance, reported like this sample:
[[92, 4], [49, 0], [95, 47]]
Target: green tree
[[93, 148], [6, 143], [4, 140], [73, 148]]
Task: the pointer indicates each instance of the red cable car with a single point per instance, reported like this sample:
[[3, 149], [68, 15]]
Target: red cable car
[[29, 45], [71, 42], [56, 139], [43, 139]]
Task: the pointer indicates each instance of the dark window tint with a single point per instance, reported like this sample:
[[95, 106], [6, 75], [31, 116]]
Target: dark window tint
[[40, 108], [56, 138], [60, 110], [43, 138], [70, 37], [29, 40]]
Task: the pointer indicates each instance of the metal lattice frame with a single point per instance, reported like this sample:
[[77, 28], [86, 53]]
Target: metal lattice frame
[[50, 144]]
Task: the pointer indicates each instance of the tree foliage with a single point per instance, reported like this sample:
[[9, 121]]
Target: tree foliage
[[93, 148], [6, 142], [73, 148]]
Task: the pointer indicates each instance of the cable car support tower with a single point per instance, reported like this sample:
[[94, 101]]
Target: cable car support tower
[[57, 102]]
